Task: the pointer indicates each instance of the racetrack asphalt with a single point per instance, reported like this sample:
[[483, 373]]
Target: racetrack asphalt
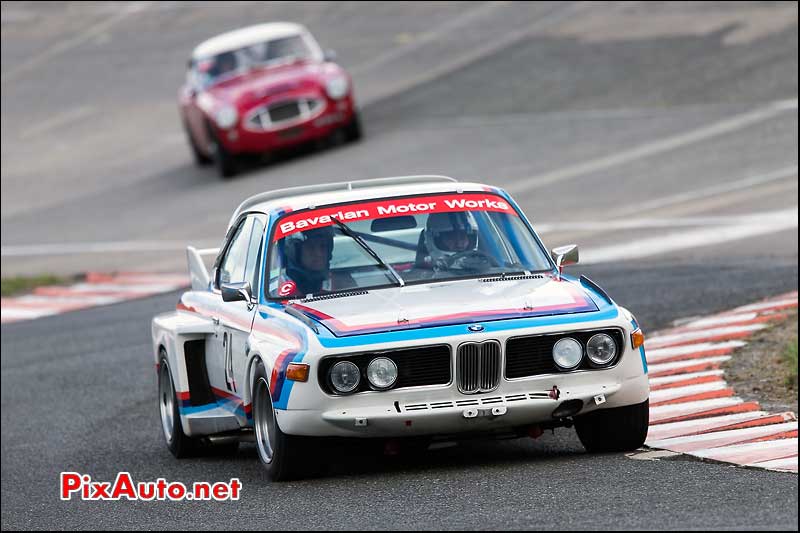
[[583, 111]]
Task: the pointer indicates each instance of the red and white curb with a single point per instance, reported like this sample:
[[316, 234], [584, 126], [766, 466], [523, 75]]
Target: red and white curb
[[97, 289], [692, 408]]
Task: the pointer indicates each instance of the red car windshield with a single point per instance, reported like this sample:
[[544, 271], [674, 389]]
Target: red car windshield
[[415, 239], [228, 64]]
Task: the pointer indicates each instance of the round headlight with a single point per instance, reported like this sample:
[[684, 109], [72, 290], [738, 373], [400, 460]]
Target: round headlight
[[382, 372], [601, 349], [226, 117], [567, 353], [337, 87], [345, 377]]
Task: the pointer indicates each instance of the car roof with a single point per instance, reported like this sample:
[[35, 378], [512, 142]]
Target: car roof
[[233, 40], [348, 191]]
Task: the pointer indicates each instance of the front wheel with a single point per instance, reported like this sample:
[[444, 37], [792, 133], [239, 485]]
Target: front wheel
[[200, 158], [618, 429], [353, 130], [226, 162], [281, 454]]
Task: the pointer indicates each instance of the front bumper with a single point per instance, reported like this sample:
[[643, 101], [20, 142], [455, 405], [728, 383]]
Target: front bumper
[[437, 411], [243, 139]]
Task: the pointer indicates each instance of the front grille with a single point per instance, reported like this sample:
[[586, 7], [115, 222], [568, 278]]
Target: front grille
[[478, 366], [533, 355], [285, 113], [416, 367]]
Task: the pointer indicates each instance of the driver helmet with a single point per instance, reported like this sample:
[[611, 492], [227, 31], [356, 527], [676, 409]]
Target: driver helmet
[[307, 279], [447, 234]]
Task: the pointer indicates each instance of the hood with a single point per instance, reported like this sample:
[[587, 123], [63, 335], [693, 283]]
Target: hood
[[446, 303], [257, 85]]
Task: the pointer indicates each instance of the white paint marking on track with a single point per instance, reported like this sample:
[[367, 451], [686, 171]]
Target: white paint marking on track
[[476, 53], [788, 464], [716, 129], [679, 392], [708, 192], [29, 250], [678, 409], [720, 320], [681, 377], [60, 47], [771, 222], [722, 438], [751, 452], [56, 121], [728, 428], [430, 36], [14, 314], [661, 367], [57, 301], [690, 427], [659, 354], [667, 340], [765, 306], [100, 289], [651, 223]]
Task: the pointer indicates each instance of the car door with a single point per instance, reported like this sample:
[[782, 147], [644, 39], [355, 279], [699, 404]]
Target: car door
[[229, 268], [240, 264]]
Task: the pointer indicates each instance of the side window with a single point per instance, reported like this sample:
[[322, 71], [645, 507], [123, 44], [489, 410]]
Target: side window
[[231, 268], [251, 269]]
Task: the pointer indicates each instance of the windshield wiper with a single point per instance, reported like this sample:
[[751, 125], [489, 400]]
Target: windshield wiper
[[350, 233]]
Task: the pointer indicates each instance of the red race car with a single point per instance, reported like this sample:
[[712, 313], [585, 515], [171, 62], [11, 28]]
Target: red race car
[[260, 89]]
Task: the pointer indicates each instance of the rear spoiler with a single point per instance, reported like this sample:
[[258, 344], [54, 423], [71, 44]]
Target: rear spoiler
[[198, 273]]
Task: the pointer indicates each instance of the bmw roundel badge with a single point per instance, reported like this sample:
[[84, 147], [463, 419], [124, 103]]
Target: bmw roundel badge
[[475, 328]]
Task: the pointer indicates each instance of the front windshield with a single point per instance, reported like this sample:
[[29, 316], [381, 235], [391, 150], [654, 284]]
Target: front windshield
[[422, 238], [211, 70]]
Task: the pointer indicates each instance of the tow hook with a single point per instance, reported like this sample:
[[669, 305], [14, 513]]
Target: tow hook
[[554, 393]]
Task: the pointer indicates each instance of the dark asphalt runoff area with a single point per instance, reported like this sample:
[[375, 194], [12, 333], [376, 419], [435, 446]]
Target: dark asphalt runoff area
[[661, 137]]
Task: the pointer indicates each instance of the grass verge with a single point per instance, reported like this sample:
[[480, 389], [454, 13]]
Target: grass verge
[[21, 284]]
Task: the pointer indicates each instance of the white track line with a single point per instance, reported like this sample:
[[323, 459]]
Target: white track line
[[772, 222], [27, 250], [62, 46], [722, 127], [707, 192]]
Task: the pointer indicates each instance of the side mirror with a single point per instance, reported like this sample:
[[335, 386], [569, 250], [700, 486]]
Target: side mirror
[[235, 292], [565, 255], [329, 55]]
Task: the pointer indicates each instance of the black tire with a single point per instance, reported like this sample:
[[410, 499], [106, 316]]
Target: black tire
[[620, 429], [200, 159], [353, 131], [226, 162], [282, 455], [178, 443]]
